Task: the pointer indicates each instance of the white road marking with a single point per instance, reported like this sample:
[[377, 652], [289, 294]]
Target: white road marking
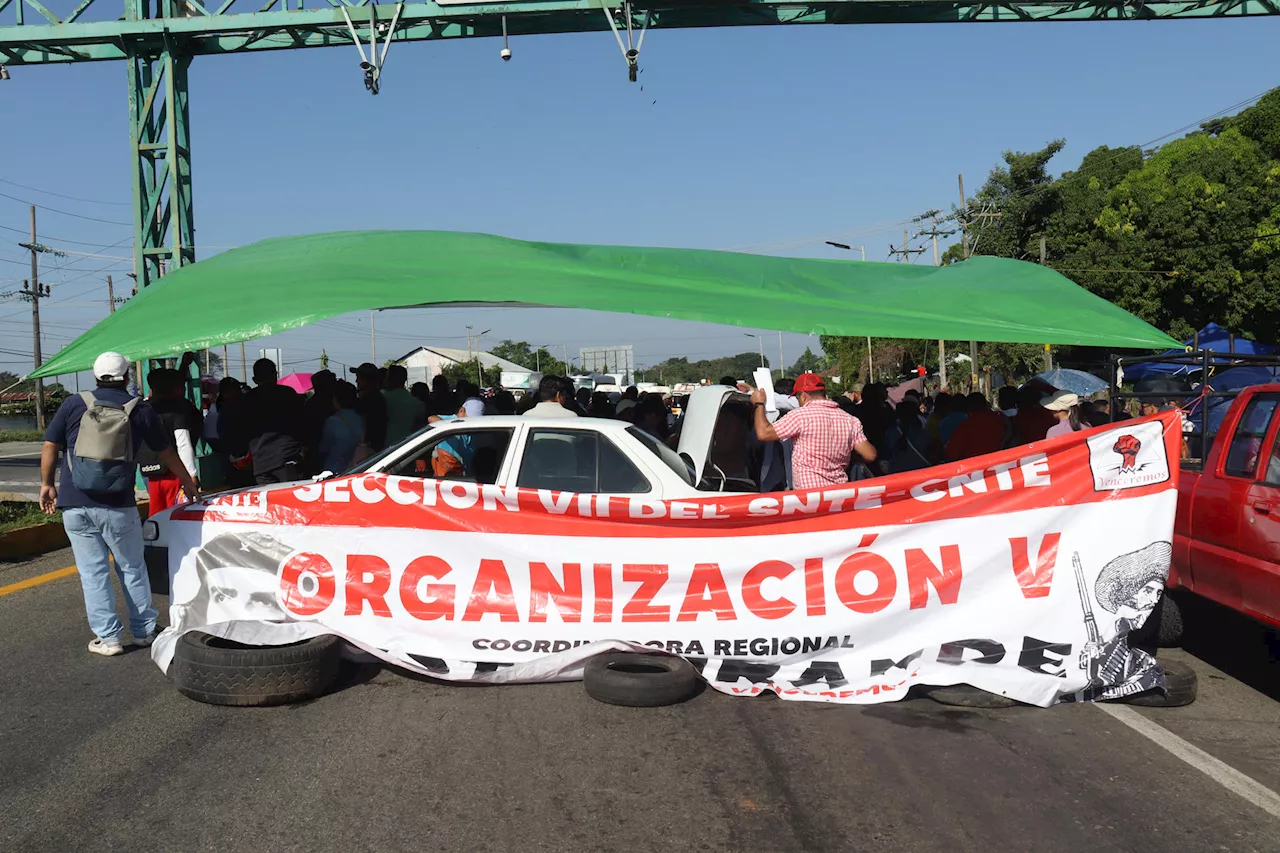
[[35, 454], [1222, 773]]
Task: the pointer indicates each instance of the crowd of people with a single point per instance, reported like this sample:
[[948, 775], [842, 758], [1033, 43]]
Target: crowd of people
[[272, 434], [922, 430]]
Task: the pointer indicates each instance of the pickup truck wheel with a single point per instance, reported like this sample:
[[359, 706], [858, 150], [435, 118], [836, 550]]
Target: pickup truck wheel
[[639, 680], [223, 672], [1169, 627], [968, 696], [1181, 687]]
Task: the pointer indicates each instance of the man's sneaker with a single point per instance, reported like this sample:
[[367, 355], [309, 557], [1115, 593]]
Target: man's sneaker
[[143, 642], [107, 648]]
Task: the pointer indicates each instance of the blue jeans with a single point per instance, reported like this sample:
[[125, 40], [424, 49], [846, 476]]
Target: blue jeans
[[97, 533]]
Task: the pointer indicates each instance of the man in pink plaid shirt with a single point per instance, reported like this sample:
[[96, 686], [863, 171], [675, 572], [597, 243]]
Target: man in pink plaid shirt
[[823, 436]]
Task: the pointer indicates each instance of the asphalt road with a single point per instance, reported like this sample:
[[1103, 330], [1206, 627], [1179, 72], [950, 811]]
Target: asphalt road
[[20, 470], [102, 754]]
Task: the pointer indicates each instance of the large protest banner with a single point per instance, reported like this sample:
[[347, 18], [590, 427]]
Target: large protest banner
[[1020, 573]]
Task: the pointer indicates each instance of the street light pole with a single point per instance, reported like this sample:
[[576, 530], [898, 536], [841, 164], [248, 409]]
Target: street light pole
[[479, 365], [760, 340], [848, 248]]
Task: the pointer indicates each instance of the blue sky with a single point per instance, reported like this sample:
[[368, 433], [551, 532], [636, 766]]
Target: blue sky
[[760, 138]]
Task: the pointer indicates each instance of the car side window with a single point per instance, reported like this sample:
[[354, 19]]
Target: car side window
[[1272, 474], [472, 455], [1246, 442], [580, 461]]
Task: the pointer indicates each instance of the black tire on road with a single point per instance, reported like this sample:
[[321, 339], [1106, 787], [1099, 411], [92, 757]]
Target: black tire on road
[[1170, 627], [968, 696], [639, 680], [222, 672], [1181, 686]]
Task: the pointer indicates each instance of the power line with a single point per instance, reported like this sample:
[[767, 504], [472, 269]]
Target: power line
[[66, 212], [813, 239], [61, 195]]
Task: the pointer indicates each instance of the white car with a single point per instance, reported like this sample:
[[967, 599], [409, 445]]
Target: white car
[[581, 455]]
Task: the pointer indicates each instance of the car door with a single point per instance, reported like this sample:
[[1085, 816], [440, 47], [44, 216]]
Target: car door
[[1221, 512], [1259, 539]]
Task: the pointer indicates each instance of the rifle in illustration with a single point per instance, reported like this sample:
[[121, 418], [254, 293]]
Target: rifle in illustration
[[1094, 664]]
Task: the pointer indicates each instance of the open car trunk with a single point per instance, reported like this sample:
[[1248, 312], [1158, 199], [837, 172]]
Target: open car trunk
[[717, 439]]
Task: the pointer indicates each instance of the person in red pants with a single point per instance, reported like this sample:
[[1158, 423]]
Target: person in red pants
[[182, 420]]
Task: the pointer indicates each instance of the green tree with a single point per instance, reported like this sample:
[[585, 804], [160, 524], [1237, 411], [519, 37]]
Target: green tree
[[1189, 220], [680, 369], [807, 362], [525, 355], [471, 370]]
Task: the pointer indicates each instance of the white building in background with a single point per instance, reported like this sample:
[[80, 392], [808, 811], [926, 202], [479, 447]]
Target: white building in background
[[425, 363]]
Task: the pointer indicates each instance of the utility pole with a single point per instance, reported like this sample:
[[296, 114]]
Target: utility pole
[[244, 372], [111, 295], [35, 291], [373, 336], [781, 360], [932, 216], [906, 251], [468, 343], [963, 215], [1048, 355]]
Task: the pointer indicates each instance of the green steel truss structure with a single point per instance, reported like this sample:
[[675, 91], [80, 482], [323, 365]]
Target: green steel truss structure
[[158, 39]]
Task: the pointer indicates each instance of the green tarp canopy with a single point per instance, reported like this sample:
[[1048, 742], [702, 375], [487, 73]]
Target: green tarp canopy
[[287, 282]]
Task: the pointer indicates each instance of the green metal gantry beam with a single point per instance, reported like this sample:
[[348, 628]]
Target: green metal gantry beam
[[159, 38]]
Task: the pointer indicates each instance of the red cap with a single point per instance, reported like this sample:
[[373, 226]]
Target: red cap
[[809, 382]]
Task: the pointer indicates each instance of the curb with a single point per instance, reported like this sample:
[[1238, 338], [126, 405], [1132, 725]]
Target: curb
[[31, 541], [39, 539]]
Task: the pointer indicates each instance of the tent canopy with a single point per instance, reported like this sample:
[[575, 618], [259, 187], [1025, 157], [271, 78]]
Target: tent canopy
[[1212, 337], [287, 282]]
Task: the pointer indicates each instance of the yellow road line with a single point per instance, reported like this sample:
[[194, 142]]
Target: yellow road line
[[37, 580]]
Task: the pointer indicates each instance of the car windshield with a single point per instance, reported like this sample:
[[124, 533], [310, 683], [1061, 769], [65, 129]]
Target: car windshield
[[666, 454]]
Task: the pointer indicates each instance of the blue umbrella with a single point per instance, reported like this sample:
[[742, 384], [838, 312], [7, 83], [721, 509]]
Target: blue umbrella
[[1075, 381]]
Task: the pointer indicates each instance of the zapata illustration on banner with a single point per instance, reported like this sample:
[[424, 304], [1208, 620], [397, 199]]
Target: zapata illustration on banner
[[1128, 587]]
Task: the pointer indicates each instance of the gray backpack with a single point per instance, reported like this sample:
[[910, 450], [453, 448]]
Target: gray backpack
[[104, 458]]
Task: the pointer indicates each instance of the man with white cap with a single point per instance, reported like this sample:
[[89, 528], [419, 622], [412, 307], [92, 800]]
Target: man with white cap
[[97, 433]]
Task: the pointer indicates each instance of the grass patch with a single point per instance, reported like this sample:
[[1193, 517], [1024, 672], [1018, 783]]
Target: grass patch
[[20, 435], [15, 514]]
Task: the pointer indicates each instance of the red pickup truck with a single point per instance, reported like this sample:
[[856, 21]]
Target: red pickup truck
[[1226, 539]]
